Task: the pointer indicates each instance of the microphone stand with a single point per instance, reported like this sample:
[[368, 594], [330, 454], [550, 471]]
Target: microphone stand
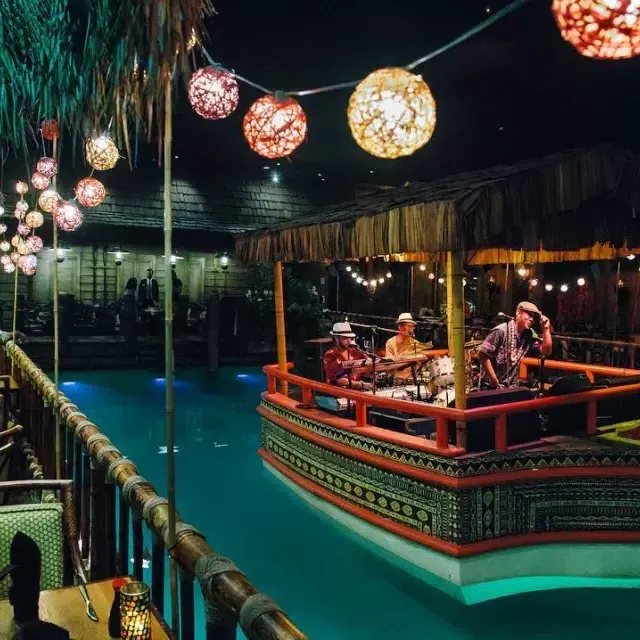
[[373, 357]]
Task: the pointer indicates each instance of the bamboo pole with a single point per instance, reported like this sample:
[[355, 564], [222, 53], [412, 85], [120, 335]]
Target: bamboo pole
[[281, 340], [15, 310], [455, 304], [168, 351], [56, 333]]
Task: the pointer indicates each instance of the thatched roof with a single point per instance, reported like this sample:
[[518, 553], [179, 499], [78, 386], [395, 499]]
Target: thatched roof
[[567, 201]]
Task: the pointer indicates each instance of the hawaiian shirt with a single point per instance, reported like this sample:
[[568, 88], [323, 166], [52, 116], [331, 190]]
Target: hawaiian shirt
[[506, 350], [333, 368]]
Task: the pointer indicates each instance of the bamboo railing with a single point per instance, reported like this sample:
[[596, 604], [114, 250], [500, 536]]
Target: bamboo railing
[[106, 481]]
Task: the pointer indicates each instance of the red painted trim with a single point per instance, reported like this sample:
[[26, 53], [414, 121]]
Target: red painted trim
[[457, 551], [488, 479]]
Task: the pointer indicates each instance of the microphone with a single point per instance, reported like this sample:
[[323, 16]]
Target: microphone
[[504, 316]]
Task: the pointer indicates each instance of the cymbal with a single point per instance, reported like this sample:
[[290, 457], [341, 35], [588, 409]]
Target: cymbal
[[473, 343]]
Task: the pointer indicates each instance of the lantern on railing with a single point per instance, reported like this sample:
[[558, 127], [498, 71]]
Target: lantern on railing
[[90, 192], [67, 216], [34, 219], [135, 611], [48, 200], [47, 167], [28, 264], [275, 126], [40, 181], [102, 153], [213, 93]]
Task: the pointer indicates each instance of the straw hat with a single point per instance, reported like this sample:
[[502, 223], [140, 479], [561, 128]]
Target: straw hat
[[342, 330], [405, 318]]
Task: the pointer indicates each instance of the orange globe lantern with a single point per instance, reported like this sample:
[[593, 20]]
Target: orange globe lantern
[[40, 181], [49, 129], [603, 29], [90, 192], [213, 93], [47, 167], [67, 216], [275, 126]]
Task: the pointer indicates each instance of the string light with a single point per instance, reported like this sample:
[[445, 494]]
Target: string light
[[564, 288], [523, 272], [102, 153], [213, 93], [548, 287], [90, 192], [34, 219], [389, 274], [354, 275], [349, 268], [534, 282], [381, 280], [432, 276], [3, 228], [440, 280], [581, 282], [631, 256], [47, 167], [40, 181], [67, 216], [22, 187], [423, 267], [48, 200]]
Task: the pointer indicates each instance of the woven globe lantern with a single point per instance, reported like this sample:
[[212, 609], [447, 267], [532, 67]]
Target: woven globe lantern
[[90, 192], [23, 229], [23, 247], [9, 267], [3, 228], [21, 187], [21, 208], [34, 244], [48, 200], [102, 153], [40, 181], [213, 93], [15, 241], [47, 167], [5, 259], [49, 129], [603, 29], [67, 216], [28, 264], [5, 245], [15, 256], [275, 127], [392, 113], [34, 219]]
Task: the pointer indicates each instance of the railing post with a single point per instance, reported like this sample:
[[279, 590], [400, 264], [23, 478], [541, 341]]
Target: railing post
[[590, 375], [157, 573], [501, 433], [137, 544], [442, 433], [187, 608], [592, 418], [123, 537], [271, 384], [361, 413], [524, 371]]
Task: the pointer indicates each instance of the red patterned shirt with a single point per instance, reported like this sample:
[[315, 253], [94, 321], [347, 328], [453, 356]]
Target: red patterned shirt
[[333, 358]]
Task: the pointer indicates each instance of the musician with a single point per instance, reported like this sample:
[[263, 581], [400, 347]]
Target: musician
[[404, 344], [504, 348], [343, 349]]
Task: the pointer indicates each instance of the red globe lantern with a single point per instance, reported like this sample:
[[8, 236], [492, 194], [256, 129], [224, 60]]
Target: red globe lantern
[[49, 129], [40, 181], [90, 192], [9, 267], [47, 167], [67, 216], [34, 244], [275, 127], [213, 93], [603, 29], [28, 264]]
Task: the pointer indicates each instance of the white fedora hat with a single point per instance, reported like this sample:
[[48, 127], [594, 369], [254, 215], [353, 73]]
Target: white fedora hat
[[342, 330], [405, 318]]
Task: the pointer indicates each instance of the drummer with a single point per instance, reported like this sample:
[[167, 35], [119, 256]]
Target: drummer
[[404, 344]]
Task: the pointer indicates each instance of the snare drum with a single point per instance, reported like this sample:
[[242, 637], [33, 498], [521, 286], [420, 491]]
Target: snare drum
[[441, 371]]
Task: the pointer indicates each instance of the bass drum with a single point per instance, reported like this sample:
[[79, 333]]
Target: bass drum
[[441, 371]]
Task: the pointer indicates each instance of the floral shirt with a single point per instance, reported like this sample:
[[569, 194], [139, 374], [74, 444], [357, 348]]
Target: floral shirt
[[333, 368], [506, 350]]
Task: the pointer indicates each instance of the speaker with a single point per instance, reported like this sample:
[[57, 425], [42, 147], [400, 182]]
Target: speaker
[[521, 427], [569, 384]]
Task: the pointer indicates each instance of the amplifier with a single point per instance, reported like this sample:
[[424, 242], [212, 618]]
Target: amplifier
[[402, 422]]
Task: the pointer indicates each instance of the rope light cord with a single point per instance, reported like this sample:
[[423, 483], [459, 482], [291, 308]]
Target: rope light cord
[[485, 24]]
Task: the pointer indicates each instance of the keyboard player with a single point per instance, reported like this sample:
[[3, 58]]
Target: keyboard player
[[344, 349]]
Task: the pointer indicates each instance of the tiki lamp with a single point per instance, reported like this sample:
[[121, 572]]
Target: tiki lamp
[[67, 216], [34, 219], [47, 167], [49, 129], [135, 614], [275, 126], [90, 192], [9, 267], [102, 153], [40, 181], [603, 29], [213, 93], [48, 200], [28, 264], [21, 187], [34, 244], [392, 113]]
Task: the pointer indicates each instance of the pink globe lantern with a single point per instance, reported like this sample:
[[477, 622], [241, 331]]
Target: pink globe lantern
[[213, 93], [47, 167], [21, 208], [48, 200], [40, 181], [23, 229], [273, 127], [34, 219], [9, 267], [15, 256], [90, 192], [5, 246], [28, 264], [34, 244], [5, 259], [67, 216], [21, 187]]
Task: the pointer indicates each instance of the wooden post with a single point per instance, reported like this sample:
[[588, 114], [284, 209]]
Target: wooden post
[[56, 333], [281, 339], [15, 311], [168, 347], [455, 319]]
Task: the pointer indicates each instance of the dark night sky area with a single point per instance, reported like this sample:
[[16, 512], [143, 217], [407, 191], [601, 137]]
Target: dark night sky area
[[515, 91]]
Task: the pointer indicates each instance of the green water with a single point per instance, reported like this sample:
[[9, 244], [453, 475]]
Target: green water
[[332, 586]]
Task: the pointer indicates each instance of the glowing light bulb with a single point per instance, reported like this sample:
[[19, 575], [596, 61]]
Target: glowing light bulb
[[388, 274], [380, 280], [548, 287], [631, 256], [522, 272], [564, 288], [432, 276], [354, 275], [440, 280], [358, 279], [349, 268], [581, 282], [423, 267], [534, 282], [365, 283]]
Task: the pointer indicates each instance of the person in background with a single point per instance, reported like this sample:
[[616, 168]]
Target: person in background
[[128, 312], [504, 348], [343, 349], [148, 291]]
